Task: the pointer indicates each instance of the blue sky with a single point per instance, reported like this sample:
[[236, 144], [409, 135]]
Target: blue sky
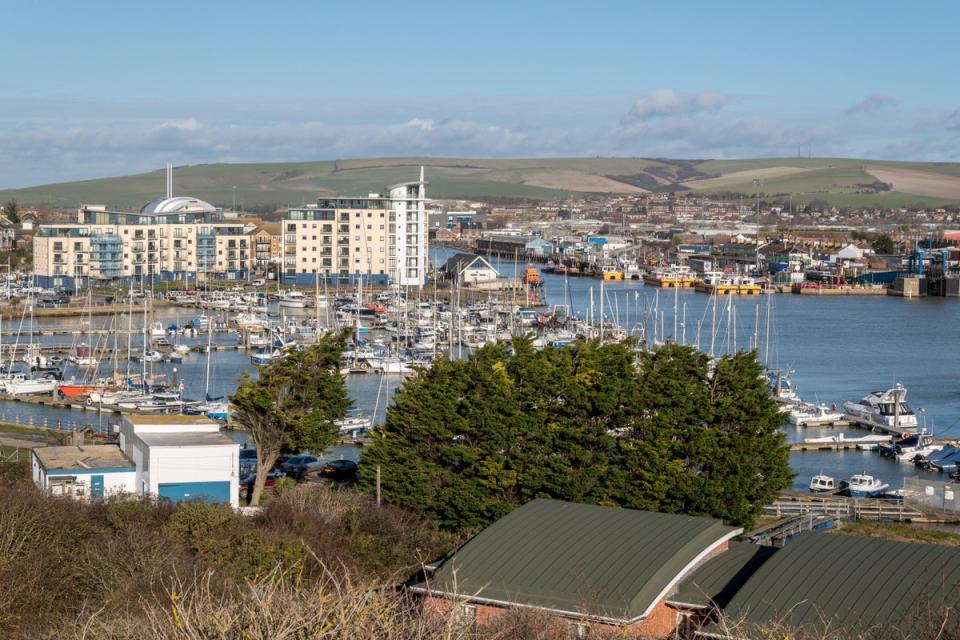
[[101, 88]]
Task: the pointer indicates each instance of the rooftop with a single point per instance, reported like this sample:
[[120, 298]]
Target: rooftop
[[178, 204], [850, 582], [579, 560], [186, 439], [82, 458], [718, 579], [171, 420]]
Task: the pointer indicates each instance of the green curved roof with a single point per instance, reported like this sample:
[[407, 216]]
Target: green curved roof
[[849, 582], [577, 559]]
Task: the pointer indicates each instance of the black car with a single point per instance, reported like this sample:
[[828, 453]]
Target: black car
[[339, 469]]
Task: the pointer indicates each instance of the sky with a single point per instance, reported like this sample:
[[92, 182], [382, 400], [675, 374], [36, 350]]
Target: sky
[[95, 89]]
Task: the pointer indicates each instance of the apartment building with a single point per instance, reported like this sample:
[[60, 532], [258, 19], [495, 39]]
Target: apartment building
[[173, 238], [381, 238]]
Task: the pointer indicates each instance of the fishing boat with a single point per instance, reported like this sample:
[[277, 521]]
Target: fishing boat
[[947, 460], [821, 483], [293, 300], [813, 415], [887, 410], [908, 445], [781, 387], [863, 486]]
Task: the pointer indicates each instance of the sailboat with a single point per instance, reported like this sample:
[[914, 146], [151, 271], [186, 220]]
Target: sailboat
[[215, 408]]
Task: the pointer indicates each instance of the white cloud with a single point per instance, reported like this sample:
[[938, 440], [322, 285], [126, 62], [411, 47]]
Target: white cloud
[[870, 104], [670, 102]]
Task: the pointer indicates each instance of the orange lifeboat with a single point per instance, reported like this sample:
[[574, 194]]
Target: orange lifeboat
[[531, 276]]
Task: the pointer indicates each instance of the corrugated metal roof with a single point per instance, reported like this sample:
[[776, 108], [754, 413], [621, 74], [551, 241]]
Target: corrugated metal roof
[[717, 580], [849, 582], [579, 559]]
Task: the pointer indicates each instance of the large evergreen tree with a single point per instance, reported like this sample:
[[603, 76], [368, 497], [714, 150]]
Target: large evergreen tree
[[467, 441], [293, 404]]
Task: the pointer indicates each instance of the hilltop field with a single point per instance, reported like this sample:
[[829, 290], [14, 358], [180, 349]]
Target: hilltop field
[[840, 182]]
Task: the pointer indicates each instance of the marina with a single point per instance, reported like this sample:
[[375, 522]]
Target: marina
[[831, 354]]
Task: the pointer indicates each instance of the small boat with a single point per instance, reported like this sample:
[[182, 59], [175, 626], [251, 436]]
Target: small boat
[[813, 415], [821, 483], [355, 423], [156, 330], [149, 356], [908, 448], [182, 349], [863, 486]]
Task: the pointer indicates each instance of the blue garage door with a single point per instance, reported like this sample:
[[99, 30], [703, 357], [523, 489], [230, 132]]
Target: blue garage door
[[205, 491]]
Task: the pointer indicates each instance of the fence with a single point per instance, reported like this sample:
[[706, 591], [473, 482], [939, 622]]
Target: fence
[[932, 495]]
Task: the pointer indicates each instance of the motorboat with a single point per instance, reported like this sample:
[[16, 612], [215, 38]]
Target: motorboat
[[83, 356], [156, 330], [158, 403], [884, 409], [863, 486], [150, 356], [947, 460], [813, 415], [781, 387], [293, 300], [908, 448], [821, 483]]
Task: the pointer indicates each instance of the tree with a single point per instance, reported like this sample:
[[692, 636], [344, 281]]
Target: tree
[[293, 404], [884, 245], [467, 441], [11, 210]]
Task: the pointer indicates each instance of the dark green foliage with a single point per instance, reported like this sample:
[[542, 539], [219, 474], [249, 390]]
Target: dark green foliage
[[11, 210], [884, 245], [293, 404], [467, 441]]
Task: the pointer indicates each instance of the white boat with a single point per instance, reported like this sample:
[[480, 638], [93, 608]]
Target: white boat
[[781, 387], [390, 364], [156, 330], [821, 483], [813, 415], [151, 356], [863, 486], [182, 349], [82, 356], [356, 423], [293, 300], [884, 409], [20, 385], [33, 357]]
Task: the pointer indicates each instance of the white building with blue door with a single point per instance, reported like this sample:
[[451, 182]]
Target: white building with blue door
[[182, 458], [88, 472]]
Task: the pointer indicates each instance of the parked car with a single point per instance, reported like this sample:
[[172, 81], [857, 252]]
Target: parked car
[[298, 466], [248, 460], [259, 282], [339, 469], [246, 485]]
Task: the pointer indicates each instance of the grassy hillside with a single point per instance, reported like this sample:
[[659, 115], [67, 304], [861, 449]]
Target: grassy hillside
[[843, 182]]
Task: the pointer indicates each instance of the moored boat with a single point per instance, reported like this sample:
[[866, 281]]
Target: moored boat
[[821, 483], [863, 486]]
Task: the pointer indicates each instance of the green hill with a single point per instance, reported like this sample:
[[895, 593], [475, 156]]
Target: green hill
[[842, 182]]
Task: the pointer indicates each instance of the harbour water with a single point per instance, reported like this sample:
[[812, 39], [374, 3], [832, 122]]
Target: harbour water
[[838, 348]]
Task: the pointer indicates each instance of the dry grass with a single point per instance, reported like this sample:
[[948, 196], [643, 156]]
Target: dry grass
[[917, 182]]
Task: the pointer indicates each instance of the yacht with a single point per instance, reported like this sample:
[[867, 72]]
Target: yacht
[[293, 300], [156, 330], [355, 423], [864, 486], [821, 483], [884, 409], [21, 385]]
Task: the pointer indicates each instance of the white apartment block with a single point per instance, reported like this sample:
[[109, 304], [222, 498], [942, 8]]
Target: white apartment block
[[174, 238], [380, 238]]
